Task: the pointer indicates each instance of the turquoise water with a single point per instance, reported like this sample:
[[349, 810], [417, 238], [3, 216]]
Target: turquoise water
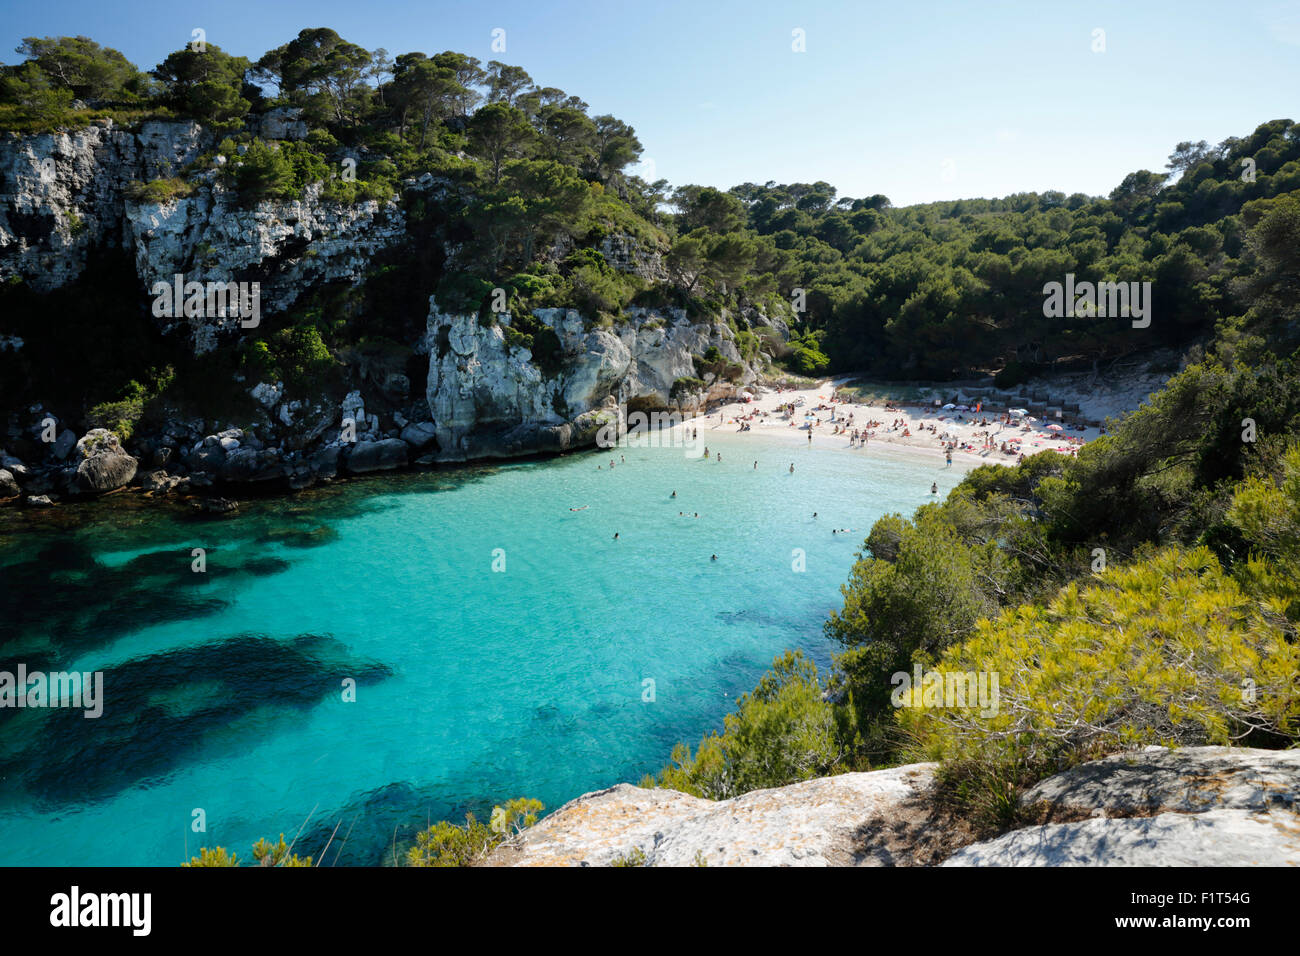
[[224, 691]]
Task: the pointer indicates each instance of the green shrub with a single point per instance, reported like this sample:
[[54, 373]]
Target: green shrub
[[265, 853], [446, 844], [159, 190], [1167, 650], [782, 732]]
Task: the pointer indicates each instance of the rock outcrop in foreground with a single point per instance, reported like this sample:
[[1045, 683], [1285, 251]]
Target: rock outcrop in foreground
[[1198, 806], [814, 823]]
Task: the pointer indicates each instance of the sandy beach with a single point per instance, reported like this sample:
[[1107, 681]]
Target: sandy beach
[[911, 429]]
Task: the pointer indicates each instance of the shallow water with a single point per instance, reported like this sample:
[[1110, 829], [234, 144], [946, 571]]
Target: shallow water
[[224, 690]]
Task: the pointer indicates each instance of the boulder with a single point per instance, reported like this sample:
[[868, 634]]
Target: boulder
[[1211, 838], [419, 434], [267, 394], [1187, 780], [161, 483], [367, 456], [247, 464], [103, 465], [64, 444], [8, 486], [39, 501]]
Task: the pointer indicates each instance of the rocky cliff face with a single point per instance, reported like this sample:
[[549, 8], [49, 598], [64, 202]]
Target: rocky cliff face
[[488, 398], [287, 247], [1198, 806], [65, 195], [62, 194]]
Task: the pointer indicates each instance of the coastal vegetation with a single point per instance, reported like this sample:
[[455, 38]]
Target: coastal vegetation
[[1146, 591]]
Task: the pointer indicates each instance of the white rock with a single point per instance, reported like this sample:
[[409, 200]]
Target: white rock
[[814, 823], [1212, 838]]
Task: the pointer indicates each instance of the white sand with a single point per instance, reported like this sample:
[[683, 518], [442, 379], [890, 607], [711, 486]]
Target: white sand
[[921, 442]]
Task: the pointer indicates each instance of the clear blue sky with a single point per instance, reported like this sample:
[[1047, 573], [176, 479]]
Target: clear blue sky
[[916, 100]]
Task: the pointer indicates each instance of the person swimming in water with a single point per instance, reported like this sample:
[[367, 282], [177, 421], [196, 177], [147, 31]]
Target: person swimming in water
[[583, 508], [792, 468], [673, 495], [934, 488], [714, 558], [615, 535]]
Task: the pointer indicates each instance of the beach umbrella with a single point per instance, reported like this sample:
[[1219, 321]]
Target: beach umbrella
[[963, 408], [1018, 412], [1054, 428]]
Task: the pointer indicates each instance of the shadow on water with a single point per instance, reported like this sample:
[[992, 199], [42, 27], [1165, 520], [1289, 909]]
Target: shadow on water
[[163, 710], [62, 601]]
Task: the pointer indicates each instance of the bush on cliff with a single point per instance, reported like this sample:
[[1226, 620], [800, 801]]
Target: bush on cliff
[[781, 732], [446, 844], [1168, 650]]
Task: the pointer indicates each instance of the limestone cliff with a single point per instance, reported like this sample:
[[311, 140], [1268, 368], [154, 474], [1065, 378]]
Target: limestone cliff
[[64, 194], [154, 196], [491, 399]]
